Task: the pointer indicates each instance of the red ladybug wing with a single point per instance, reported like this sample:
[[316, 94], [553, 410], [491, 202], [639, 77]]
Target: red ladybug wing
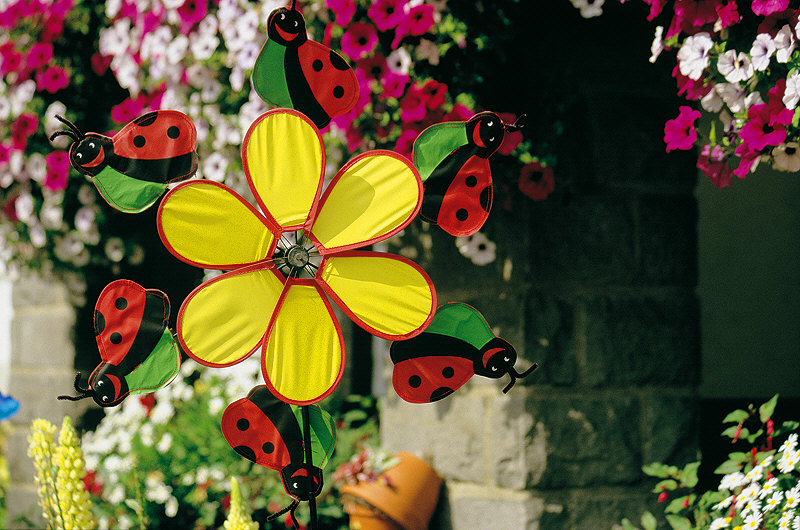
[[430, 378], [160, 134], [117, 317], [468, 199], [254, 436], [330, 78]]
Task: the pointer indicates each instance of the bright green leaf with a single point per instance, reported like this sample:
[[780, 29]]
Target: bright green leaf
[[668, 484], [657, 469], [676, 505], [738, 456], [649, 521], [737, 416], [678, 523], [727, 467], [766, 410], [689, 475], [627, 525]]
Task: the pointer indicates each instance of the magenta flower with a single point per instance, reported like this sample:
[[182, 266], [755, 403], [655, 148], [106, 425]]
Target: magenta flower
[[766, 125], [22, 128], [656, 6], [387, 14], [10, 59], [393, 84], [192, 12], [712, 163], [694, 90], [419, 19], [680, 133], [536, 181], [413, 105], [405, 142], [696, 13], [459, 112], [57, 170], [52, 79], [434, 93], [127, 110], [40, 54], [768, 7], [748, 156], [359, 40], [373, 66], [728, 14], [343, 9]]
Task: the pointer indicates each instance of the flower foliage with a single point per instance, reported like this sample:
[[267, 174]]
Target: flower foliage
[[738, 60], [760, 486]]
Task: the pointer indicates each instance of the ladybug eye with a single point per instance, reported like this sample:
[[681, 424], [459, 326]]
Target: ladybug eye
[[506, 359], [295, 23], [489, 123], [99, 383], [295, 485], [283, 17], [494, 368], [79, 155], [91, 144], [491, 139], [105, 398]]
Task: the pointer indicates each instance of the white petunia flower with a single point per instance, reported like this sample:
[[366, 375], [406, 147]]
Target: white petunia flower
[[478, 248], [124, 522], [693, 55], [203, 46], [762, 50], [116, 495], [399, 61], [115, 39], [658, 44], [171, 507], [164, 443], [784, 44], [21, 95], [36, 167], [732, 95], [786, 157], [589, 8], [247, 55], [735, 67], [176, 50], [214, 167]]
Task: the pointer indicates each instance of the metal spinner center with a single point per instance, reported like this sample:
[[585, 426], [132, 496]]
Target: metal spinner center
[[297, 257]]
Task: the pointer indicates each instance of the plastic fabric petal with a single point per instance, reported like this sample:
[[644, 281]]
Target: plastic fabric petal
[[389, 296], [302, 359], [373, 197], [206, 224], [284, 161], [223, 321]]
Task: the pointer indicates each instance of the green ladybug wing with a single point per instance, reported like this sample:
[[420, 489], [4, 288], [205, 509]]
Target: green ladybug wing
[[461, 321], [435, 143], [125, 193], [269, 75], [323, 433], [158, 369]]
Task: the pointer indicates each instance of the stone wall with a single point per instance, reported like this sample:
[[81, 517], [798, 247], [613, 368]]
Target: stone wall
[[42, 357]]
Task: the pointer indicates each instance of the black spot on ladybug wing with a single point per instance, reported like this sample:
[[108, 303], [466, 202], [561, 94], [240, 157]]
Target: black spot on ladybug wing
[[99, 322], [462, 214], [338, 61], [486, 198], [120, 303], [173, 132], [242, 424], [268, 447], [338, 91], [146, 119], [317, 65], [441, 393], [414, 381], [448, 372], [139, 141], [246, 452], [471, 181], [115, 338]]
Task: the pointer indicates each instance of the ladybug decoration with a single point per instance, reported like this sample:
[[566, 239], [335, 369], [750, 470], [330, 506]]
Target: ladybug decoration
[[267, 431], [453, 163], [294, 72], [131, 170], [139, 353], [456, 345]]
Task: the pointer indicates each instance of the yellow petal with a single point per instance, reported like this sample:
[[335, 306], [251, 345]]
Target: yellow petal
[[209, 225], [371, 198], [284, 160], [223, 321], [303, 356], [389, 296]]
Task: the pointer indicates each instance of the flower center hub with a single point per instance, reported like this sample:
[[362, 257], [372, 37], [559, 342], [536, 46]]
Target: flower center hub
[[297, 257]]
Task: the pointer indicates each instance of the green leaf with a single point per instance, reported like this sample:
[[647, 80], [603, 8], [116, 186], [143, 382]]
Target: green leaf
[[627, 525], [678, 523], [738, 456], [649, 521], [737, 416], [730, 432], [728, 467], [752, 437], [657, 469], [676, 505], [134, 505], [766, 410], [668, 484], [689, 475]]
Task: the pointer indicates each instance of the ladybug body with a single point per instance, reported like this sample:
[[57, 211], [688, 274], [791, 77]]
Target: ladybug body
[[453, 161], [294, 72], [132, 168], [265, 430], [456, 345], [137, 349]]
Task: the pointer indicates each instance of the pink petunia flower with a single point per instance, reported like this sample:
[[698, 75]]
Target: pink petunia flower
[[359, 40], [393, 84], [749, 157], [57, 171], [511, 139], [22, 128], [387, 14], [713, 165], [373, 66], [127, 110], [459, 112], [536, 181], [435, 93], [696, 13], [10, 59], [656, 6], [680, 132], [100, 63], [768, 7], [52, 28], [418, 19], [773, 23], [728, 13], [343, 9], [413, 106], [406, 142], [40, 54], [52, 79], [765, 126], [694, 90], [192, 12]]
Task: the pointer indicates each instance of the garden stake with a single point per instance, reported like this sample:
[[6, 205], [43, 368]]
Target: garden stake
[[312, 500]]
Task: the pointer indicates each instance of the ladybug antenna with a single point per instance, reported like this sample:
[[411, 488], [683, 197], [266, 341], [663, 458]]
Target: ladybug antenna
[[73, 133], [82, 392], [294, 2], [518, 124], [514, 376], [291, 508]]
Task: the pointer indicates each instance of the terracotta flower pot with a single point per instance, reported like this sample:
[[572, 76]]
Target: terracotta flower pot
[[403, 497]]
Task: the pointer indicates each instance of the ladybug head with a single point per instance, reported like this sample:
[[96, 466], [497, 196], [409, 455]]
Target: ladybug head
[[287, 27], [497, 359], [106, 389], [485, 131], [88, 152], [297, 482]]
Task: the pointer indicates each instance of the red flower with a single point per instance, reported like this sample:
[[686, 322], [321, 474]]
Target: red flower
[[768, 7], [10, 59], [680, 133], [435, 93], [343, 9], [22, 128], [417, 21], [536, 181], [353, 137], [91, 484], [387, 14], [696, 13], [39, 55], [359, 40], [511, 139], [712, 163], [694, 90], [226, 502], [53, 79], [748, 157], [373, 66], [413, 106], [10, 209], [393, 84], [57, 171], [148, 401], [100, 63], [773, 23], [52, 29]]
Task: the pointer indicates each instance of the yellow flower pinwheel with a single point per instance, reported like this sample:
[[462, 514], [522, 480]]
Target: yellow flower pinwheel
[[287, 257]]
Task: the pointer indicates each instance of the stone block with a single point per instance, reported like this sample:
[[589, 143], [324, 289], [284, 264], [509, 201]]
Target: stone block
[[670, 428], [22, 508], [38, 394], [668, 240], [474, 507], [591, 440], [517, 446], [43, 336], [20, 465], [450, 434], [596, 508], [33, 290], [550, 339], [652, 340]]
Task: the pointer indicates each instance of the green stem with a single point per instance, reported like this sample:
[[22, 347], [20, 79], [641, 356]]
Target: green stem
[[55, 488]]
